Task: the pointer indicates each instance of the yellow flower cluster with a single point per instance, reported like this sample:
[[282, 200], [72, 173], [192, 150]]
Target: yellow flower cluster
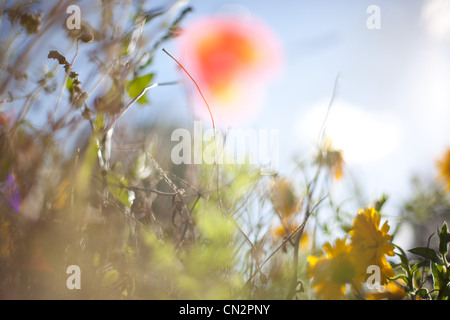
[[346, 263]]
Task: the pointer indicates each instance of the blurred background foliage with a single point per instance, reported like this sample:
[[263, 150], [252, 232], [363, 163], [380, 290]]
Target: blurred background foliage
[[76, 192]]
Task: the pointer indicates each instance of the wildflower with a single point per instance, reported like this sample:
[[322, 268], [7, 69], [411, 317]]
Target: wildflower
[[230, 58], [283, 198], [332, 159], [370, 244], [331, 273], [444, 169], [9, 193], [282, 231]]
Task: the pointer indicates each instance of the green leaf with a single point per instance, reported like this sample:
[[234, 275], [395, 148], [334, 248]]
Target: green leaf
[[114, 186], [87, 166], [427, 253], [69, 84], [444, 239], [419, 265], [404, 260], [439, 276], [404, 278], [110, 278], [446, 291], [99, 123], [135, 86], [380, 203], [422, 293], [346, 228], [213, 225]]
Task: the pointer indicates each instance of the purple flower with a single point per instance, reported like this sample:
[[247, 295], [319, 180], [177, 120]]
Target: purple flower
[[9, 193]]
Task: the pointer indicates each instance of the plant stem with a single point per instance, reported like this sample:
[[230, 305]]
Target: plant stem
[[308, 212]]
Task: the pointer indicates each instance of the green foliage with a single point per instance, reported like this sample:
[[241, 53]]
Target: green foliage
[[444, 239], [135, 86], [427, 253], [433, 263]]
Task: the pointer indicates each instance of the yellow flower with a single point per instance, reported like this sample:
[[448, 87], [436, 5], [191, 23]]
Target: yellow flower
[[370, 244], [283, 198], [282, 231], [332, 159], [444, 169], [331, 273], [304, 241]]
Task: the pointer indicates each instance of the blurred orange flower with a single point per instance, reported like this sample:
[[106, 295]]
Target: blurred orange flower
[[283, 197], [231, 58], [62, 194], [331, 158], [444, 169], [282, 231]]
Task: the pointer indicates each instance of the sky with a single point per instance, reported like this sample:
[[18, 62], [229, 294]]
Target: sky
[[392, 107]]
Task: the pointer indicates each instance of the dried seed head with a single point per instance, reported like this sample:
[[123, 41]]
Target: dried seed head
[[31, 22], [87, 37]]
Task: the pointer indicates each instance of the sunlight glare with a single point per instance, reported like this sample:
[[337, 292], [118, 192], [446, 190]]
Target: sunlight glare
[[436, 15], [362, 135]]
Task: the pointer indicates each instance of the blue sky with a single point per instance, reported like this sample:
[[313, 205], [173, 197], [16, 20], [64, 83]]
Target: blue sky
[[391, 116]]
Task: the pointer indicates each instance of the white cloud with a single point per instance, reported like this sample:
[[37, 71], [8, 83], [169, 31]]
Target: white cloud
[[436, 16], [364, 136]]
